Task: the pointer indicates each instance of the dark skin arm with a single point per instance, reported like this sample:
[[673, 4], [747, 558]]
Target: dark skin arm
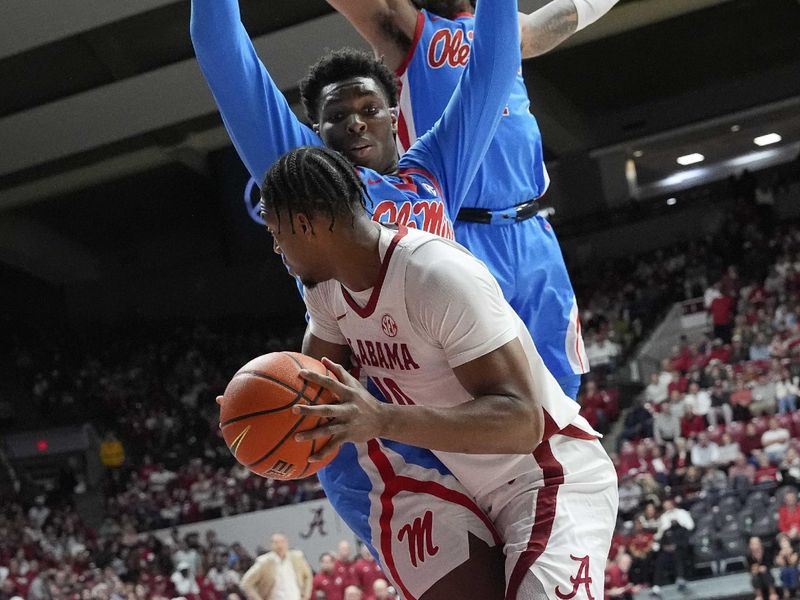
[[502, 418], [388, 26]]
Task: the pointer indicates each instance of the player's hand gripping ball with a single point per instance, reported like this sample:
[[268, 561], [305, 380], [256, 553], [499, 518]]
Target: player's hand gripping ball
[[257, 421]]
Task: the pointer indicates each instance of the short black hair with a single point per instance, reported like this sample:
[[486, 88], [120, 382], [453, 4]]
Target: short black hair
[[340, 65], [313, 180], [445, 8]]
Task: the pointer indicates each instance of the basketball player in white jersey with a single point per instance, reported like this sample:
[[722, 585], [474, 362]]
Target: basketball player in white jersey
[[428, 323]]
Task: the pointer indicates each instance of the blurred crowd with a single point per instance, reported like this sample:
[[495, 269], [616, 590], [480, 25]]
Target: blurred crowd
[[709, 460]]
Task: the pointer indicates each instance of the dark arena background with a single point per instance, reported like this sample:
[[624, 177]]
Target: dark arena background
[[136, 278]]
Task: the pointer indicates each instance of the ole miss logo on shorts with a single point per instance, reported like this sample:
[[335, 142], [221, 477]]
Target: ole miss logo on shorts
[[388, 325]]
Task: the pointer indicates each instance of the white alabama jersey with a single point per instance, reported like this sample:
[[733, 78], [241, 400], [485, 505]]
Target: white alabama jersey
[[410, 370]]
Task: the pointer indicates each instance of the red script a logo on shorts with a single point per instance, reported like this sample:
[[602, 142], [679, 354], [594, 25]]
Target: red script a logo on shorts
[[420, 538], [388, 325], [582, 578]]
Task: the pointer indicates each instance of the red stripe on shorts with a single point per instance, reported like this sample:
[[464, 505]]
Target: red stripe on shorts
[[394, 484], [546, 499]]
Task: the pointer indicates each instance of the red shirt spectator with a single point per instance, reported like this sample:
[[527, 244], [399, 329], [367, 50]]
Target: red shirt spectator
[[692, 424], [789, 516], [679, 383], [343, 566], [328, 580], [765, 472], [721, 310], [367, 571]]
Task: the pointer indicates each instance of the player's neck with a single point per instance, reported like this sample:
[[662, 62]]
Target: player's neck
[[359, 259]]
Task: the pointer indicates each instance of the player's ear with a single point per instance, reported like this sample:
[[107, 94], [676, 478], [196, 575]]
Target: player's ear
[[302, 224], [393, 114]]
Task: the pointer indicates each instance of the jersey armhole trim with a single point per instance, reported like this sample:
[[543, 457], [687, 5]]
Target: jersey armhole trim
[[400, 71]]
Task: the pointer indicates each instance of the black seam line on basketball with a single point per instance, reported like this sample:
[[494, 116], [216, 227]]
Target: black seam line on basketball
[[298, 394], [297, 362], [308, 464], [286, 437]]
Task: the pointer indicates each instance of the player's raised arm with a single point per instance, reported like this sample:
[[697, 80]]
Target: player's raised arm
[[453, 150], [387, 25], [546, 28], [259, 121]]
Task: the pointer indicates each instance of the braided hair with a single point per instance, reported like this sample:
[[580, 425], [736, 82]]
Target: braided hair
[[340, 65], [313, 180]]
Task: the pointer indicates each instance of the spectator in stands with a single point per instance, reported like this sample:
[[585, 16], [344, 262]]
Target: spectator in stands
[[705, 453], [741, 474], [767, 474], [666, 425], [648, 520], [343, 566], [786, 559], [673, 532], [222, 577], [655, 393], [751, 440], [720, 405], [790, 467], [728, 450], [326, 583], [281, 573], [381, 591], [721, 309], [786, 391], [789, 517], [741, 399], [184, 580], [765, 402], [760, 566], [638, 424], [353, 592], [618, 585], [366, 570], [698, 401], [759, 349], [630, 496], [775, 441], [691, 424]]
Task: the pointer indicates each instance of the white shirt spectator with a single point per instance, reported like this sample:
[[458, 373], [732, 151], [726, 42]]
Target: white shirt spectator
[[775, 441], [184, 581], [673, 516], [728, 453], [602, 352], [705, 455], [285, 582], [699, 402]]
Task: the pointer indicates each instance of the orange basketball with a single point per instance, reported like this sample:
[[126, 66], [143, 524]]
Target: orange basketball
[[256, 416]]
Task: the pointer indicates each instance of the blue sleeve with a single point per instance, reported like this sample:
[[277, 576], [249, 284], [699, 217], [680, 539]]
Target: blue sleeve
[[452, 151], [259, 121]]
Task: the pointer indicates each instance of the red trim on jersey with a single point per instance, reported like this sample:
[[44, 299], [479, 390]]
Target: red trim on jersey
[[400, 71], [546, 499], [428, 175], [376, 291], [394, 484], [573, 431], [461, 15], [402, 131], [576, 432], [578, 342]]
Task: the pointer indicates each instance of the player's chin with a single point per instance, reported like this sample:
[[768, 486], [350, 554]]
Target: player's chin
[[308, 282]]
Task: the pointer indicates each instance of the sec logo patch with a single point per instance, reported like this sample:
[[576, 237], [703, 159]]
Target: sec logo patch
[[388, 325]]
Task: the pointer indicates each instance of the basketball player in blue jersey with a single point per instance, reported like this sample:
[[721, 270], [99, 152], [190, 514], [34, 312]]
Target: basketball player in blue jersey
[[350, 99], [427, 43]]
